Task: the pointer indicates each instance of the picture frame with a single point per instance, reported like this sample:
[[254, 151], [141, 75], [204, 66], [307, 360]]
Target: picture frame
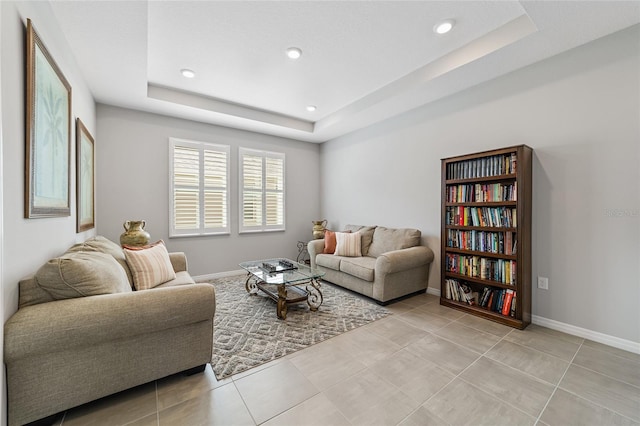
[[48, 133], [85, 178]]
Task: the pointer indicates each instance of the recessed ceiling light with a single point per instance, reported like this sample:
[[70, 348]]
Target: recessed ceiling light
[[187, 73], [311, 108], [444, 26], [294, 52]]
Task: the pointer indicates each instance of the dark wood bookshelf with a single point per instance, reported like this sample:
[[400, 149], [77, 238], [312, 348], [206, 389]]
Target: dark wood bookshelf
[[469, 170]]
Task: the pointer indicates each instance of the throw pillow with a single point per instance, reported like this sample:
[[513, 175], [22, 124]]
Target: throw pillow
[[390, 239], [348, 244], [330, 241], [79, 274], [150, 267], [366, 233]]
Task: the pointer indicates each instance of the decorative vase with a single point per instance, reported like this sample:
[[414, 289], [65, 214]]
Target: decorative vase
[[134, 234], [318, 229]]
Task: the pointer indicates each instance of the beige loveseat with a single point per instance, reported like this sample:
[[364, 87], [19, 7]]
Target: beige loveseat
[[63, 353], [393, 263]]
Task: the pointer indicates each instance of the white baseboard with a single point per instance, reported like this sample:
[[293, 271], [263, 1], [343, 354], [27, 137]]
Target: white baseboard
[[207, 277], [605, 339], [434, 291]]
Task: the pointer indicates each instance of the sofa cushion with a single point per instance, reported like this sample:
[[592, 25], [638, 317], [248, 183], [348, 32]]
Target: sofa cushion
[[348, 244], [150, 266], [329, 261], [389, 239], [360, 267], [182, 278], [366, 236], [103, 245], [79, 274]]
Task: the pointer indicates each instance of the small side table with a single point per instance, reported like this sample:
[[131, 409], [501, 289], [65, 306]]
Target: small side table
[[303, 253]]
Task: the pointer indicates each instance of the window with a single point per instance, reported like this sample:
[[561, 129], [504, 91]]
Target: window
[[199, 191], [261, 191]]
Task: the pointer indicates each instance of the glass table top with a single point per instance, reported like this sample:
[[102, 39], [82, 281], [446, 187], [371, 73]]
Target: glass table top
[[281, 271]]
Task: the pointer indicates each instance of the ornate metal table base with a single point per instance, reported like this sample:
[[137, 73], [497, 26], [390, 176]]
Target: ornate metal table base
[[285, 295]]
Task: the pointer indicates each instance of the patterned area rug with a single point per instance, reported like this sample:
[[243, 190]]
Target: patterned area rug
[[248, 333]]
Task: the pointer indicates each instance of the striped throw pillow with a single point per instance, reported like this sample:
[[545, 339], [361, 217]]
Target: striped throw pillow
[[348, 244], [150, 267]]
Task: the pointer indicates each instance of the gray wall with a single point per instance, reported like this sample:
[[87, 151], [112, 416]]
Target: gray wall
[[28, 243], [132, 151], [32, 241], [580, 113]]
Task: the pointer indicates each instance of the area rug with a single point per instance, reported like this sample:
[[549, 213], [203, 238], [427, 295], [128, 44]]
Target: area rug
[[247, 332]]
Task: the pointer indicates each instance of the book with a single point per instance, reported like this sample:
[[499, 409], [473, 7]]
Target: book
[[506, 306]]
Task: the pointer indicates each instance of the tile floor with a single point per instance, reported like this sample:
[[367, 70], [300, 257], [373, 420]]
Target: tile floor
[[424, 365]]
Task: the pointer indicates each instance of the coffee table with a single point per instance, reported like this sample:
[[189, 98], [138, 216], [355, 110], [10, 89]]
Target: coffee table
[[284, 281]]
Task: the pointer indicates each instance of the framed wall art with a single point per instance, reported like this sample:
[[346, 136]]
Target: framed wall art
[[85, 186], [48, 133]]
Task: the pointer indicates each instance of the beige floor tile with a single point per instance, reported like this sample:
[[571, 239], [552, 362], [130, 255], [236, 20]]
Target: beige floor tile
[[419, 300], [274, 390], [220, 406], [443, 311], [485, 325], [550, 343], [326, 364], [555, 333], [509, 385], [568, 409], [538, 364], [413, 375], [623, 369], [424, 320], [470, 338], [460, 403], [367, 399], [399, 307], [447, 355], [610, 349], [150, 420], [399, 332], [315, 411], [603, 390], [118, 409], [365, 346], [423, 417], [259, 368], [179, 388]]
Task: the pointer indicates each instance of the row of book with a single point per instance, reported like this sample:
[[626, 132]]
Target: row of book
[[482, 193], [490, 242], [494, 165], [499, 300], [495, 217], [499, 270], [454, 290], [496, 300]]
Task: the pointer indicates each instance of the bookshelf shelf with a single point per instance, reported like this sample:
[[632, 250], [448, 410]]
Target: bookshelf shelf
[[488, 188]]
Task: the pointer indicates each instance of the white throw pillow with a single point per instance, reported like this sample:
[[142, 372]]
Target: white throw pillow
[[348, 244], [150, 267]]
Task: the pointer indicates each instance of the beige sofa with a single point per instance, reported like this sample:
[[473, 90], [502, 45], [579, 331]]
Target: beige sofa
[[63, 353], [393, 263]]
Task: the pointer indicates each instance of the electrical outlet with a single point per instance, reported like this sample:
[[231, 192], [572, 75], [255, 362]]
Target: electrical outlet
[[543, 283]]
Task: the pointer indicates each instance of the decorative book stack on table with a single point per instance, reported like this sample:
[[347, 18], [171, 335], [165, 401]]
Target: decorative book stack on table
[[486, 234]]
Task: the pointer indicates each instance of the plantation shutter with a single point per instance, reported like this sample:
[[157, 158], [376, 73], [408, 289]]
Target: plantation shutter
[[262, 191], [199, 188]]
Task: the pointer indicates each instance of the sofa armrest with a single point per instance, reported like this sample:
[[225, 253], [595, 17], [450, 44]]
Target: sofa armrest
[[402, 260], [315, 247], [178, 261], [85, 321]]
